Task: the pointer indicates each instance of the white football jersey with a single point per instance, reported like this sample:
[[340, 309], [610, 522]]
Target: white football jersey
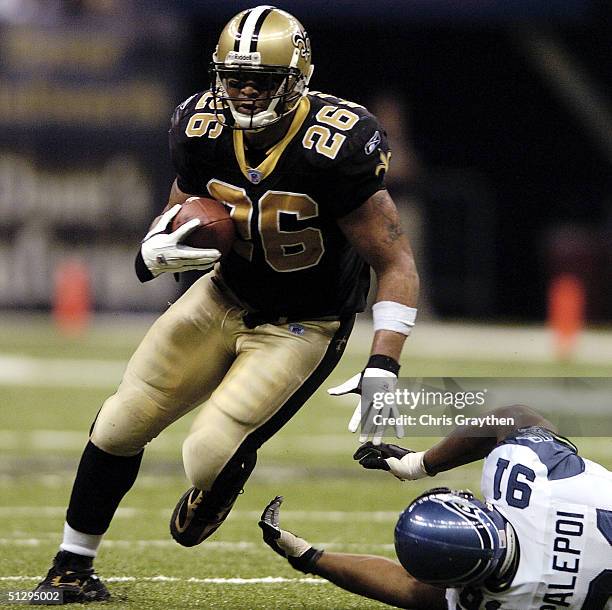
[[560, 505]]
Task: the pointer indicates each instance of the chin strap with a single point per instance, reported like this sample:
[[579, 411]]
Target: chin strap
[[258, 121]]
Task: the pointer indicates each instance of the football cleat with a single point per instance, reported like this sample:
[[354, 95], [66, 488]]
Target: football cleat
[[74, 577], [197, 516]]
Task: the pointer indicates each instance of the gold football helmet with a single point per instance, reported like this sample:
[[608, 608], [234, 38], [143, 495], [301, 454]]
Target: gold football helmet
[[261, 67]]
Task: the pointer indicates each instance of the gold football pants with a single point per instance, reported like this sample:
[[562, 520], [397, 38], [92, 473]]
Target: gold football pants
[[249, 381]]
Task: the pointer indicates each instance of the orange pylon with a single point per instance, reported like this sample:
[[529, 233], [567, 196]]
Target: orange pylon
[[566, 306], [72, 297]]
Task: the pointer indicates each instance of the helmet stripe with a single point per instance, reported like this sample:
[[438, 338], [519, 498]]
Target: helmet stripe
[[257, 29], [253, 23], [239, 32]]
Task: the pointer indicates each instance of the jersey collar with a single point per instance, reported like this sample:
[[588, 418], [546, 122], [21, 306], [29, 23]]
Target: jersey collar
[[266, 167]]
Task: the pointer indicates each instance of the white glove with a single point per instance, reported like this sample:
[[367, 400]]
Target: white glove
[[162, 252], [380, 380]]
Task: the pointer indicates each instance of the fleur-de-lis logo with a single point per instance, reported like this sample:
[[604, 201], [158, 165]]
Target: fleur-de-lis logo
[[302, 42], [383, 166]]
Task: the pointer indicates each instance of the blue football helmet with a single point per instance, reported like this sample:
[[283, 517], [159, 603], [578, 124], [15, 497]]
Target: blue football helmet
[[449, 538]]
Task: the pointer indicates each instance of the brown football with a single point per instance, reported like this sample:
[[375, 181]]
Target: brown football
[[216, 228]]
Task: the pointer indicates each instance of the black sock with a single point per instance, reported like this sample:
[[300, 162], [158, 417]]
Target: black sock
[[66, 559], [101, 482]]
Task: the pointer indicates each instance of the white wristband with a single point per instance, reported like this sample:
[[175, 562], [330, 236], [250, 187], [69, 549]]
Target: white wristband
[[389, 315], [292, 544], [409, 468]]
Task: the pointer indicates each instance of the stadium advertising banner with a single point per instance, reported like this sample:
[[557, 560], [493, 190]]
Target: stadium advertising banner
[[84, 111]]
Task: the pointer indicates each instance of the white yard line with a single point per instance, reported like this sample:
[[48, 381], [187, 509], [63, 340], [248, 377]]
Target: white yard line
[[211, 545], [128, 544], [58, 511], [333, 516], [266, 580], [74, 440], [59, 372], [467, 342], [343, 443], [464, 342]]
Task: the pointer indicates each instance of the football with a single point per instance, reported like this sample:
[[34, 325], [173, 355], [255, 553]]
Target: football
[[216, 228]]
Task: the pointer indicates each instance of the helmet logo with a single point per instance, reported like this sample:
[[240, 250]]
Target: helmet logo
[[464, 507], [302, 42], [254, 175], [234, 57]]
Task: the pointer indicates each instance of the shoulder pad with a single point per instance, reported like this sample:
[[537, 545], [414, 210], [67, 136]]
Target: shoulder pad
[[183, 108], [193, 120], [364, 138], [193, 138], [199, 103], [558, 454]]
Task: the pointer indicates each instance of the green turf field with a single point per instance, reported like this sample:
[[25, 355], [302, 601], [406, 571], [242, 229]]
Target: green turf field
[[50, 390]]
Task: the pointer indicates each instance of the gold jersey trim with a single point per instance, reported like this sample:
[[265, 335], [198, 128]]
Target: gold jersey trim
[[267, 166]]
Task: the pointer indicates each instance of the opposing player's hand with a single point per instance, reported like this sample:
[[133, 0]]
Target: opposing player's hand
[[163, 251], [284, 543], [402, 463], [378, 381]]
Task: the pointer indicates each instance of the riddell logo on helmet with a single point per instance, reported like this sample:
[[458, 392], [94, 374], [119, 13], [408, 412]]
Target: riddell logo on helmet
[[235, 57]]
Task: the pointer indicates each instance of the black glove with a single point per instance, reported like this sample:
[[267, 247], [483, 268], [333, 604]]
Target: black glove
[[401, 463], [373, 456]]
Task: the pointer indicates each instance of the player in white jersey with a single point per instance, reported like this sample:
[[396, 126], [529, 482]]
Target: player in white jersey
[[541, 540], [560, 505]]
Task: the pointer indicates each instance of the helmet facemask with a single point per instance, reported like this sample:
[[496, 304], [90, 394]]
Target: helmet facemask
[[277, 91]]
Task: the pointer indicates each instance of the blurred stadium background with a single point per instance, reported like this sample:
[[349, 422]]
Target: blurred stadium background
[[499, 117]]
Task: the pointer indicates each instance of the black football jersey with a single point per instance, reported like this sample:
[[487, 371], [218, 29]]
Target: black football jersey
[[290, 257]]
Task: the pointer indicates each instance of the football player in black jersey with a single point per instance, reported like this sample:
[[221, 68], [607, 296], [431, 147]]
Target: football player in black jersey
[[303, 176]]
